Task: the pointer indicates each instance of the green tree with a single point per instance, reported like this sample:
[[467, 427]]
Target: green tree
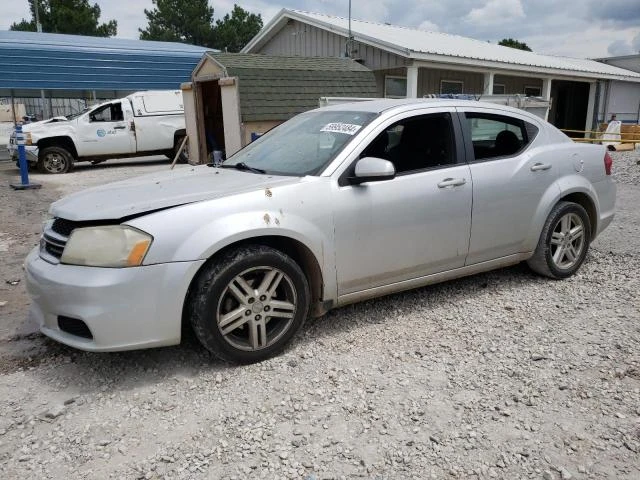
[[189, 21], [510, 42], [234, 31], [76, 17]]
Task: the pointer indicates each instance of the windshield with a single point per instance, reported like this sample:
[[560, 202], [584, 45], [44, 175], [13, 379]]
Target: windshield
[[303, 145], [77, 114]]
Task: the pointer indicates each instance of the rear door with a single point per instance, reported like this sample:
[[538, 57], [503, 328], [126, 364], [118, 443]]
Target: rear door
[[511, 172], [415, 224]]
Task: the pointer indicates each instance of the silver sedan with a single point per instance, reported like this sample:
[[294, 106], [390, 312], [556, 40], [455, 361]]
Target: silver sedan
[[335, 206]]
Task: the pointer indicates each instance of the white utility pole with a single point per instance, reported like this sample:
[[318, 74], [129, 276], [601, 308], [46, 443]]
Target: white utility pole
[[38, 24]]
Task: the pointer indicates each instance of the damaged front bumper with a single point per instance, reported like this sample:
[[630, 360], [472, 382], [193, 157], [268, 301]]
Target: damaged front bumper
[[30, 150]]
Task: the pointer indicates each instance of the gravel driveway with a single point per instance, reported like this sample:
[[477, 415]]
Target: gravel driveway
[[499, 375]]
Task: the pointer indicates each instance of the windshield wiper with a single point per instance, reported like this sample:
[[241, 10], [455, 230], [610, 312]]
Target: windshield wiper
[[242, 166]]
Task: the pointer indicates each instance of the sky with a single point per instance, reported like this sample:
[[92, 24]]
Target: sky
[[578, 28]]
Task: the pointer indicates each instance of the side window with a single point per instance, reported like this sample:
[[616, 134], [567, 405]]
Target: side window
[[109, 113], [416, 143], [103, 114], [497, 135]]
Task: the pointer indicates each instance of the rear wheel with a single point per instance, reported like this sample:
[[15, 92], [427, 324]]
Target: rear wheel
[[563, 243], [248, 304], [54, 160]]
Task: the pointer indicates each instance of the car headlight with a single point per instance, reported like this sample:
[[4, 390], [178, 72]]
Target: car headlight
[[28, 140], [108, 246]]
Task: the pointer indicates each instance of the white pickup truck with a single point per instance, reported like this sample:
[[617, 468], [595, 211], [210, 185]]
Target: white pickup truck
[[143, 123]]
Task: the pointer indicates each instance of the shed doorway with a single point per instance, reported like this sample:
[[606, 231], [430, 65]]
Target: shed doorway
[[212, 119]]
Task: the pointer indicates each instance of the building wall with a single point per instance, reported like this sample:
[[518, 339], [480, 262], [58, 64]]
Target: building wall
[[429, 80], [259, 128], [631, 62], [623, 99], [513, 85], [300, 39]]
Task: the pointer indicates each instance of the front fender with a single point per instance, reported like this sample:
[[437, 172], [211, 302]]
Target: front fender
[[200, 230]]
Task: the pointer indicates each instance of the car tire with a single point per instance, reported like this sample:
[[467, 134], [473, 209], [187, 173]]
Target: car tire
[[246, 305], [563, 243], [184, 154], [54, 160]]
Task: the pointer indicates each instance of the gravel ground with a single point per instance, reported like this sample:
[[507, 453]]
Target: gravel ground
[[500, 375]]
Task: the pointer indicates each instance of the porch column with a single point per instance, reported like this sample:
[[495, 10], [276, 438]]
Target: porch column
[[412, 81], [488, 83], [590, 108], [546, 94]]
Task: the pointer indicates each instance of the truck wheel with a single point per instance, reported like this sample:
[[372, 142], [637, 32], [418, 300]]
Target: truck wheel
[[563, 243], [184, 155], [54, 160], [248, 304]]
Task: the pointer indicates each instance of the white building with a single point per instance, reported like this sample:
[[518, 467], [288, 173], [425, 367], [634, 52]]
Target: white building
[[621, 98], [414, 63]]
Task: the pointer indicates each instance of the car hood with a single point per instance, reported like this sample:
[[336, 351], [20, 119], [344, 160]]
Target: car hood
[[28, 127], [159, 191]]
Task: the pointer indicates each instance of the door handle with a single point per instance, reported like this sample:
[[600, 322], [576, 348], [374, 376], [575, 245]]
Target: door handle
[[540, 166], [452, 182], [119, 127]]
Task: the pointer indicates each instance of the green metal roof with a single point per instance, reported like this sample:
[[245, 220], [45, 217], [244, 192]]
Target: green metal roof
[[278, 87]]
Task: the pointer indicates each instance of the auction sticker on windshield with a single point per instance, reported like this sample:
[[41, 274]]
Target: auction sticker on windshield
[[346, 128]]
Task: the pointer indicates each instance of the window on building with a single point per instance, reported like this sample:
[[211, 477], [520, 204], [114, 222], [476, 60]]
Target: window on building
[[532, 91], [497, 135], [498, 89], [395, 87], [451, 87]]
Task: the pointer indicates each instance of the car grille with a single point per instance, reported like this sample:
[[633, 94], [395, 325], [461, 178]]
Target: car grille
[[52, 243], [64, 227]]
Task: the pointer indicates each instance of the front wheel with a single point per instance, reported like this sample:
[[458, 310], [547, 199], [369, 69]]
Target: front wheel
[[563, 243], [54, 160], [246, 305]]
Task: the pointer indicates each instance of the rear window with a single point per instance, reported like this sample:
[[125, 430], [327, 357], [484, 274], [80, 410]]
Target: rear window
[[497, 136]]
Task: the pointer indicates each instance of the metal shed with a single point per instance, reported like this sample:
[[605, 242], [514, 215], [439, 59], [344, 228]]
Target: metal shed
[[48, 67], [235, 97]]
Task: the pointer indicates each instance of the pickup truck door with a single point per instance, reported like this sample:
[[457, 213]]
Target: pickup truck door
[[107, 130]]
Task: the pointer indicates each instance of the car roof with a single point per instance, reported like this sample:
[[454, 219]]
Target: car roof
[[386, 104]]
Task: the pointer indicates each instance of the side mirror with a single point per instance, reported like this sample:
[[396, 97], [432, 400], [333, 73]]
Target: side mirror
[[372, 169]]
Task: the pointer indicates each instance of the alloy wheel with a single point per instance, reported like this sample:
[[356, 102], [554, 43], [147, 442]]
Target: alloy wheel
[[256, 308], [567, 241]]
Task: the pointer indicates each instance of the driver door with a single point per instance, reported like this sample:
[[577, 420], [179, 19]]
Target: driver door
[[104, 131], [411, 226]]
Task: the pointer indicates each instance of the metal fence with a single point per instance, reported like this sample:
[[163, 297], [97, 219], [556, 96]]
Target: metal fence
[[50, 107]]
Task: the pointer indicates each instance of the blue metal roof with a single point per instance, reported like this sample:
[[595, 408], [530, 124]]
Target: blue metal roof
[[51, 61]]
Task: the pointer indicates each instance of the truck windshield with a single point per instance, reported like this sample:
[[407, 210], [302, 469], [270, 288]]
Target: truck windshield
[[77, 114], [303, 145]]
